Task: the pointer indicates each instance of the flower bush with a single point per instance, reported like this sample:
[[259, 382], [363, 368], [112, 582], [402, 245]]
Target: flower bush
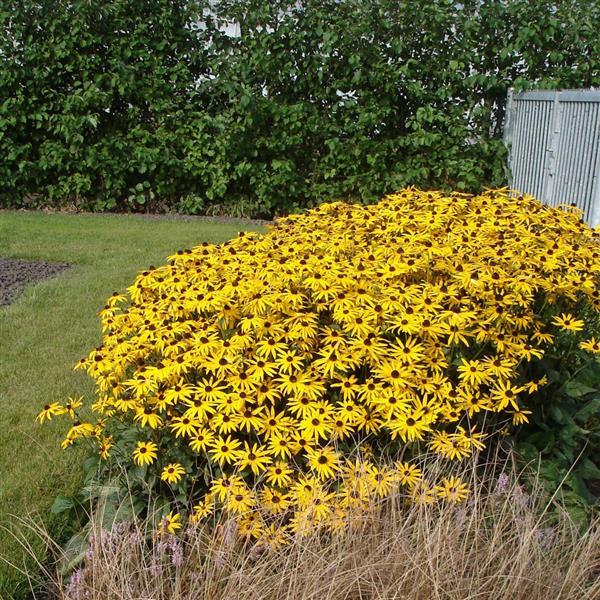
[[243, 377]]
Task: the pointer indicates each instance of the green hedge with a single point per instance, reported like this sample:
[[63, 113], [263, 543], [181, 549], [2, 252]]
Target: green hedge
[[134, 105]]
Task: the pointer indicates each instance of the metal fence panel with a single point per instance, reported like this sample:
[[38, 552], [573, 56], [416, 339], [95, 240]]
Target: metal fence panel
[[554, 147]]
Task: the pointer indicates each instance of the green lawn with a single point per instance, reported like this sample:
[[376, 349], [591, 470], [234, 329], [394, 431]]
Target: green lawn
[[48, 328]]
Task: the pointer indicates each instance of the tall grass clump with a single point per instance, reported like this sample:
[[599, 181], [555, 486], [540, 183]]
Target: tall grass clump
[[503, 542], [241, 377]]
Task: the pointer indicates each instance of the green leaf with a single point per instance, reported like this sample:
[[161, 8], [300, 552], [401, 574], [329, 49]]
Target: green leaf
[[588, 469], [591, 407], [557, 413], [62, 504], [577, 389], [73, 552]]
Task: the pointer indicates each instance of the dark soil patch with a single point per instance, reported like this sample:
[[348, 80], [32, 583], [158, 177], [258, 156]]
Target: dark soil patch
[[15, 274]]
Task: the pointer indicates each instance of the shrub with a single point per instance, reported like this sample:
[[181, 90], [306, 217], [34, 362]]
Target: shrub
[[147, 106], [246, 375]]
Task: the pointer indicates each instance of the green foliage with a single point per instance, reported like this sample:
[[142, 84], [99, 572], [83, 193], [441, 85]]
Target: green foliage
[[564, 428], [319, 99]]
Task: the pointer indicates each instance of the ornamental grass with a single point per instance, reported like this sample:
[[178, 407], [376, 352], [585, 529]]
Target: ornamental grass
[[503, 542], [272, 378]]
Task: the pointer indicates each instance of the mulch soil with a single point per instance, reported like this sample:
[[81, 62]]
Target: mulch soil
[[15, 274]]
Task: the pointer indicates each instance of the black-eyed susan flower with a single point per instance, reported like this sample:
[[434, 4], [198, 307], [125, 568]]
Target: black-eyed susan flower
[[172, 473], [241, 500], [222, 486], [409, 426], [146, 417], [71, 406], [520, 416], [449, 445], [145, 453], [567, 322], [224, 450], [323, 461], [203, 509], [535, 384], [202, 439], [280, 445], [591, 345], [250, 525], [185, 426], [105, 446], [473, 372], [382, 480], [453, 490], [279, 474], [255, 457], [408, 474], [171, 523], [505, 394], [274, 501], [51, 410]]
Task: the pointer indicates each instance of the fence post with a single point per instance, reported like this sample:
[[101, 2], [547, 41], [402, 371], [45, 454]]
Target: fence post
[[549, 169], [508, 133]]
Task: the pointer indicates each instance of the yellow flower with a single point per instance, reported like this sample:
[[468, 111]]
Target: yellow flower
[[382, 481], [255, 458], [452, 489], [240, 501], [323, 461], [567, 322], [505, 394], [250, 525], [280, 445], [410, 426], [449, 445], [423, 493], [172, 473], [225, 451], [201, 440], [536, 384], [408, 474], [72, 405], [347, 386], [51, 410], [316, 426], [185, 426], [203, 509], [591, 345], [473, 372], [171, 523], [105, 446], [279, 474], [145, 453], [520, 416], [146, 416]]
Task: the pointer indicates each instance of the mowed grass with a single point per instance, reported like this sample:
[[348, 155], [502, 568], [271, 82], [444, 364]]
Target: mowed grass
[[47, 329]]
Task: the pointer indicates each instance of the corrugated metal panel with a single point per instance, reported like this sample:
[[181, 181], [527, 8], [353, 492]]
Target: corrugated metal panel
[[554, 147]]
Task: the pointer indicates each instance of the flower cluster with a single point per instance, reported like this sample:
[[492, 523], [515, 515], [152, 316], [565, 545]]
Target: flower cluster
[[252, 369]]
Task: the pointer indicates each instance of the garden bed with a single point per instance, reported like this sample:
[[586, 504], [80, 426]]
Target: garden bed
[[15, 274]]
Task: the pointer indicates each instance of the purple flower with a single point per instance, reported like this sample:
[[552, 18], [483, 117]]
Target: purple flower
[[176, 551], [77, 588], [521, 497], [502, 484]]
